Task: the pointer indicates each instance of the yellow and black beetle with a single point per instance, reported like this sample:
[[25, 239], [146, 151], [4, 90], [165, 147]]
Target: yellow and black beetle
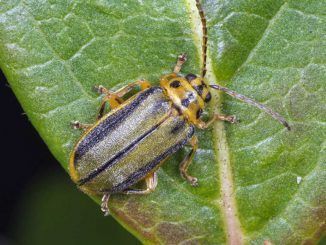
[[129, 143]]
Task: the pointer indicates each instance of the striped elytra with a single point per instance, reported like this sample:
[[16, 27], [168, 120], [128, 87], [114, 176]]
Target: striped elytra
[[128, 144]]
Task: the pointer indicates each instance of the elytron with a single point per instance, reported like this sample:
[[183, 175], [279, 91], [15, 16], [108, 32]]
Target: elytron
[[129, 143]]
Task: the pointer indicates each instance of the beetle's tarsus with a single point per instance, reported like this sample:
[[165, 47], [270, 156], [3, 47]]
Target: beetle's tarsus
[[75, 124], [79, 125], [193, 181], [230, 119], [182, 58], [101, 90], [104, 204]]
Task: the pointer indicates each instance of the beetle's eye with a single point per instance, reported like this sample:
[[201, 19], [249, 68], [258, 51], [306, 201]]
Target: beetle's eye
[[191, 77], [175, 84], [199, 112], [208, 97]]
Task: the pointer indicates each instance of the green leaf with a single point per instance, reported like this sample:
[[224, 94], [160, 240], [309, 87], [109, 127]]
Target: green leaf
[[258, 182]]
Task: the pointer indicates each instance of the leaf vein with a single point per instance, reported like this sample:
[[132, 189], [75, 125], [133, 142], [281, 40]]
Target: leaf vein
[[74, 78]]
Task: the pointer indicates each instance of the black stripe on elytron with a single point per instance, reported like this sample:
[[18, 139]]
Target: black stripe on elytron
[[110, 123], [120, 154], [178, 127], [142, 172]]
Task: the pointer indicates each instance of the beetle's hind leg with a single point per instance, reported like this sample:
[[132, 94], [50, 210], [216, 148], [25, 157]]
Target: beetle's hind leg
[[151, 183], [104, 204], [187, 161]]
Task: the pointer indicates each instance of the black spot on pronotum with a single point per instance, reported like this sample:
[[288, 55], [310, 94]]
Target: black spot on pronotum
[[185, 102], [199, 89], [191, 77], [175, 84], [191, 96], [208, 98], [199, 112]]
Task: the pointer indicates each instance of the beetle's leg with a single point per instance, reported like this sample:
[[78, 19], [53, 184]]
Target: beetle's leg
[[204, 125], [113, 100], [79, 125], [110, 97], [143, 84], [104, 204], [151, 183], [181, 59], [186, 162]]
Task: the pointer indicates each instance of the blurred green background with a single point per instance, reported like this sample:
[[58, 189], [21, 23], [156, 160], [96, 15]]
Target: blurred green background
[[37, 198], [46, 214]]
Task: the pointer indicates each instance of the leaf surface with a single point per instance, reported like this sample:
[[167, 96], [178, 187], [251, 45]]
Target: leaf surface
[[258, 182]]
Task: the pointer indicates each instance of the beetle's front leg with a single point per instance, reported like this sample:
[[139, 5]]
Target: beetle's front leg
[[151, 183], [182, 58], [187, 161], [216, 117]]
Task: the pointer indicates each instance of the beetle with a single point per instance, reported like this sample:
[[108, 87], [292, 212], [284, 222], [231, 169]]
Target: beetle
[[129, 143]]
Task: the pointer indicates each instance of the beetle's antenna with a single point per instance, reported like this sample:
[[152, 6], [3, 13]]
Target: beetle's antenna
[[204, 39], [247, 100]]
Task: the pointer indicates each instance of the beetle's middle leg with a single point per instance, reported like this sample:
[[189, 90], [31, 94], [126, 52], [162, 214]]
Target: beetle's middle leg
[[187, 161], [151, 183], [143, 84]]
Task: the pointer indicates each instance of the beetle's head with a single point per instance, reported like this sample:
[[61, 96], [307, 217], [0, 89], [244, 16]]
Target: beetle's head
[[200, 86], [189, 94]]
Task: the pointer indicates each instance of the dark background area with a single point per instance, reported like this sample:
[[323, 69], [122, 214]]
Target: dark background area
[[38, 202]]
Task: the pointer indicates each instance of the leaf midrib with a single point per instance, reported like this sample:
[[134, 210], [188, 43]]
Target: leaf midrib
[[226, 203]]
